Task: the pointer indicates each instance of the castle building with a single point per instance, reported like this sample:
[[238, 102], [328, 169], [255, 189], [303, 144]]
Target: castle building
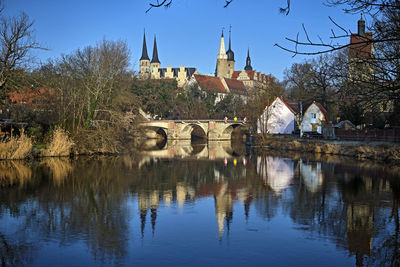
[[226, 68], [152, 69], [225, 71]]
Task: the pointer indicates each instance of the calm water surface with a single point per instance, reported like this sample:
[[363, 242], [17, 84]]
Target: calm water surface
[[199, 205]]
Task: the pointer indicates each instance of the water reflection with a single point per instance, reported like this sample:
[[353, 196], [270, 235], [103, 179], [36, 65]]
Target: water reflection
[[277, 173], [116, 210]]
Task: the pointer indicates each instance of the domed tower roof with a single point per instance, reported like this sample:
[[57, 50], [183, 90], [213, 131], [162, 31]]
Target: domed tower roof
[[229, 53]]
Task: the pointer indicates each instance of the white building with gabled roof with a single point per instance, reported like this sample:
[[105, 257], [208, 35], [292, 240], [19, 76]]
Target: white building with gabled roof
[[277, 118]]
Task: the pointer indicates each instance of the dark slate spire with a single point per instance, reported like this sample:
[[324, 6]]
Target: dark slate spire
[[248, 61], [144, 50], [155, 53], [229, 53]]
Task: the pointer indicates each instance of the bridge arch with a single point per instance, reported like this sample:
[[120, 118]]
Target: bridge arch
[[195, 130], [234, 130], [229, 129], [156, 132]]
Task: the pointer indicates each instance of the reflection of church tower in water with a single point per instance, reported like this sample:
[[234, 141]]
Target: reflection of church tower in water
[[154, 202], [360, 214], [146, 202], [223, 208], [143, 207]]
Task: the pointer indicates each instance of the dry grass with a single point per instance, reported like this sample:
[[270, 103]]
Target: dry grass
[[60, 144], [16, 148]]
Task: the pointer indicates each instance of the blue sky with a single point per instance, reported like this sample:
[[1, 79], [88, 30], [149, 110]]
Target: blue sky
[[188, 33]]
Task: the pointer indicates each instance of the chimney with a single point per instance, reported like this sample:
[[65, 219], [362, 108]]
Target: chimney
[[361, 26]]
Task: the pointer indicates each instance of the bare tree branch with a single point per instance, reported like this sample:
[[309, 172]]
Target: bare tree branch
[[158, 4], [227, 3]]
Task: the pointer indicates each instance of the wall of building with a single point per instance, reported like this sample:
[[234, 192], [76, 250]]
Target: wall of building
[[276, 119], [312, 120]]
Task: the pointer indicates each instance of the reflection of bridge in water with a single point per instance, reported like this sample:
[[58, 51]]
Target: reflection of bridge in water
[[183, 129], [186, 149]]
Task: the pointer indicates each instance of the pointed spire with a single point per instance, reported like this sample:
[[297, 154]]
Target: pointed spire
[[248, 61], [155, 52], [222, 53], [229, 53], [145, 56]]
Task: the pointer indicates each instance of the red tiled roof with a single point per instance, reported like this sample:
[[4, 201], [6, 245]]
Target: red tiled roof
[[236, 86], [360, 46], [251, 74], [30, 96], [210, 83], [235, 74]]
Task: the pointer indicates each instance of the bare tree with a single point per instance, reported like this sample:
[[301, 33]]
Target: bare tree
[[16, 40], [88, 81]]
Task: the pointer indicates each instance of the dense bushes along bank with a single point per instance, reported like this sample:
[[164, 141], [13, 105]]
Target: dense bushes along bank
[[379, 151], [62, 144]]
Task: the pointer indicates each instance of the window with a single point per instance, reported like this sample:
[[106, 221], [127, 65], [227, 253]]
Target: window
[[313, 115]]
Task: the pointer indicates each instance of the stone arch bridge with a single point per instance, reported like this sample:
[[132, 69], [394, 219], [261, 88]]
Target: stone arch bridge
[[182, 129]]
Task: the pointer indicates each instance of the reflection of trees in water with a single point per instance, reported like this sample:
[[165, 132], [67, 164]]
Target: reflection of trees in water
[[59, 168], [348, 203], [14, 173], [90, 202], [350, 207], [13, 253]]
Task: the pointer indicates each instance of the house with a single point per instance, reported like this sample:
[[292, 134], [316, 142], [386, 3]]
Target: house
[[346, 124], [220, 86], [313, 118], [277, 118], [32, 97]]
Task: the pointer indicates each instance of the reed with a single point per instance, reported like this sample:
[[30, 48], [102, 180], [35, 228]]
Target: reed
[[60, 144], [16, 148]]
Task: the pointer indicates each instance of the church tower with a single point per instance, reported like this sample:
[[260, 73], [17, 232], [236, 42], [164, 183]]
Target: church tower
[[231, 57], [248, 61], [144, 62], [222, 60], [155, 62]]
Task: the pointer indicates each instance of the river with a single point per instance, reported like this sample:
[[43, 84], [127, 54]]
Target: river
[[186, 204]]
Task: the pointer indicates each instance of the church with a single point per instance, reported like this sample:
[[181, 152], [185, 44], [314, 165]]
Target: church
[[152, 69], [224, 71], [226, 68]]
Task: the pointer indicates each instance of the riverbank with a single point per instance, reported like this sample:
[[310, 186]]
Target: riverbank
[[377, 151], [63, 144]]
